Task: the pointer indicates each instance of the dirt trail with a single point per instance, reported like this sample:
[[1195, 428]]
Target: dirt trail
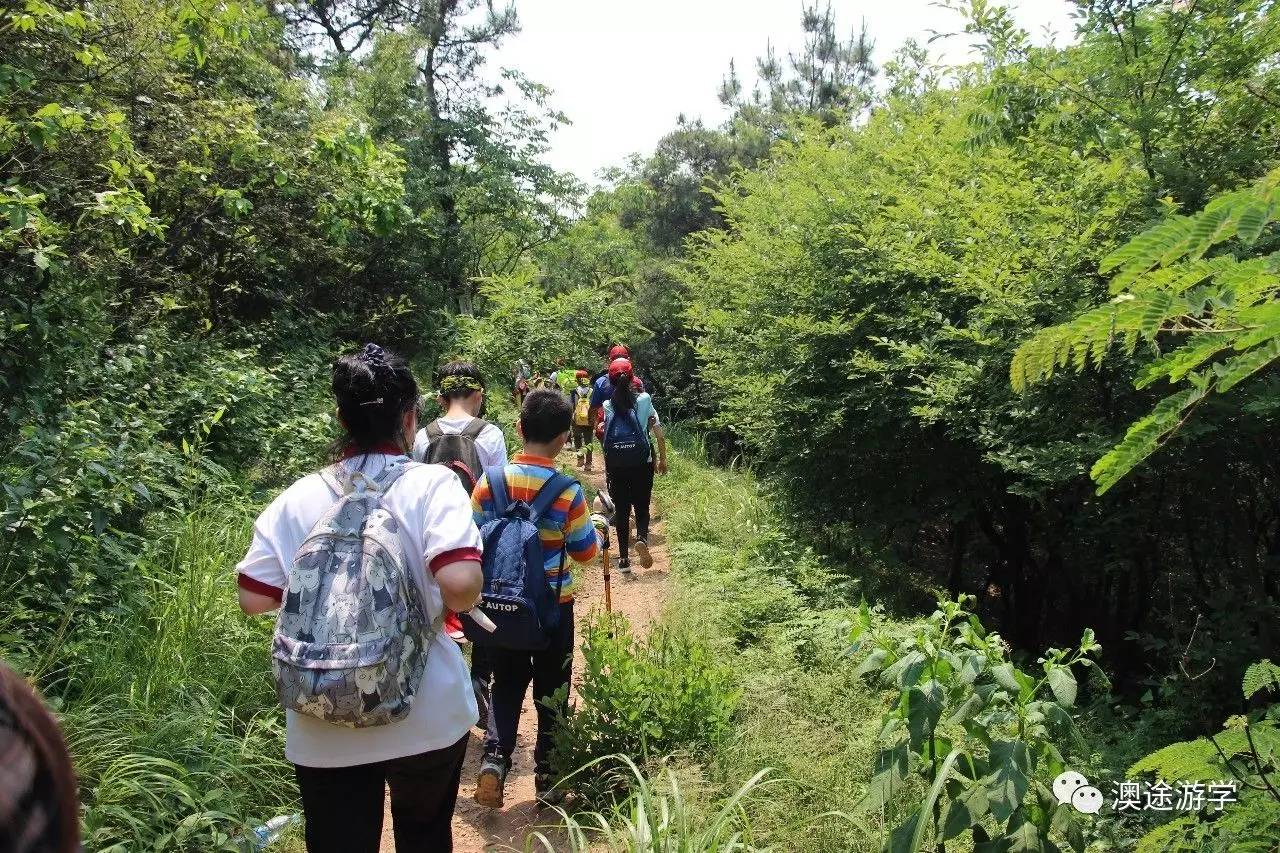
[[477, 829]]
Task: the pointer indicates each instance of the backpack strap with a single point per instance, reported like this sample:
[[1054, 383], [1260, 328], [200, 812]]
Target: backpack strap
[[334, 477], [433, 430], [497, 477], [546, 496], [474, 428]]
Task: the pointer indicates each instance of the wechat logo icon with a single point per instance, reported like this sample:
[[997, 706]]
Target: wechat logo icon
[[1073, 789]]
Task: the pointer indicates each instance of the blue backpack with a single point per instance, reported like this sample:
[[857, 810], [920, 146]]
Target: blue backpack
[[626, 441], [518, 597]]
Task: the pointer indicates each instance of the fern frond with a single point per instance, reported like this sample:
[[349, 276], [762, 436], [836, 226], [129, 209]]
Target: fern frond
[[1234, 371], [1262, 675], [1144, 437], [1183, 360]]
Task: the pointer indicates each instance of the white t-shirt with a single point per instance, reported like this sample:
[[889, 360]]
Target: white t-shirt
[[490, 444], [434, 514]]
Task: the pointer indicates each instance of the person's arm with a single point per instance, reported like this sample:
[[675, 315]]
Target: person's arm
[[581, 541], [460, 584], [260, 576], [255, 603], [452, 544], [656, 427]]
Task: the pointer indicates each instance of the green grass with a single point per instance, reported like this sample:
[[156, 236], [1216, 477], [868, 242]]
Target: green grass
[[174, 729], [776, 614]]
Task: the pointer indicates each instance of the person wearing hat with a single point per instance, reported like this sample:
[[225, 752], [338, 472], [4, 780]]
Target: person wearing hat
[[602, 387], [580, 399], [629, 419]]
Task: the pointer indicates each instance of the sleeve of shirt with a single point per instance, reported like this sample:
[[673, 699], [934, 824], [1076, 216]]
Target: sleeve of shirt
[[597, 396], [580, 539], [449, 533], [262, 570], [420, 442], [492, 447], [481, 502]]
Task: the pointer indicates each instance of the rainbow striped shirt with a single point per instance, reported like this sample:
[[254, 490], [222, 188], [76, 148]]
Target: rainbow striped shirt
[[566, 525]]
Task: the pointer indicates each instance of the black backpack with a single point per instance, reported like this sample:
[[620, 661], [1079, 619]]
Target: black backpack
[[457, 451]]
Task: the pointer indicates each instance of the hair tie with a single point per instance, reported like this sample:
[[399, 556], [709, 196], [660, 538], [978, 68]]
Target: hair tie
[[376, 357]]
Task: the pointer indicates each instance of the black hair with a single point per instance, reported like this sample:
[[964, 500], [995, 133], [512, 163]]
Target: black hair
[[546, 414], [38, 808], [624, 396], [373, 389], [466, 380]]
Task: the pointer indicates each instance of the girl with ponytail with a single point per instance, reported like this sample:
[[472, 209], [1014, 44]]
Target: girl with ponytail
[[342, 772]]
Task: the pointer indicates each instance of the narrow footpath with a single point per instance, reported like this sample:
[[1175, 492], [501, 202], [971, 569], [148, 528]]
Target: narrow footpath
[[477, 829]]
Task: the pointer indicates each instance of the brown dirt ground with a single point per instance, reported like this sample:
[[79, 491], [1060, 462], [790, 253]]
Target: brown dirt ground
[[477, 829]]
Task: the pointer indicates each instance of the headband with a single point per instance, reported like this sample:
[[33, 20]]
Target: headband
[[455, 382]]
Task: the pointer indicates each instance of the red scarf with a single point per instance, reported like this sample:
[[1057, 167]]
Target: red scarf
[[386, 447]]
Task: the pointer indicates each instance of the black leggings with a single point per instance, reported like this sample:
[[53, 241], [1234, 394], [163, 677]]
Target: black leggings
[[630, 486], [343, 805]]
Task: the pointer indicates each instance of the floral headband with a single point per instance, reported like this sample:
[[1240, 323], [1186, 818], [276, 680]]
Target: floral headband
[[454, 383]]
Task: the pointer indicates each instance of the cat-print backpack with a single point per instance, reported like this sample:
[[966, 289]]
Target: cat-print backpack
[[352, 636]]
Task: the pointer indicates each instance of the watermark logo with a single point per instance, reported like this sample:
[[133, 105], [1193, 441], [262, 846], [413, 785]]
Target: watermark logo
[[1071, 787]]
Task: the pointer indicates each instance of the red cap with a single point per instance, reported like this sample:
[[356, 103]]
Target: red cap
[[619, 351], [619, 366], [636, 384]]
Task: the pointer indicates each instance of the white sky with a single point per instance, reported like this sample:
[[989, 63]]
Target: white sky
[[623, 70]]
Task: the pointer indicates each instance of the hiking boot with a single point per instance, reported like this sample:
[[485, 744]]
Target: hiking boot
[[642, 549], [493, 775], [624, 566], [546, 792]]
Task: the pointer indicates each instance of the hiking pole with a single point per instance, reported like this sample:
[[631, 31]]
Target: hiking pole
[[601, 524], [477, 616]]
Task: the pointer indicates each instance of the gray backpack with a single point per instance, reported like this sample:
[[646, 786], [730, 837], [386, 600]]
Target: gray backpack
[[352, 637], [457, 451]]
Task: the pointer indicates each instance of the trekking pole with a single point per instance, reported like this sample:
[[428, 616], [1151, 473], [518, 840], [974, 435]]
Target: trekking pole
[[477, 616], [601, 524]]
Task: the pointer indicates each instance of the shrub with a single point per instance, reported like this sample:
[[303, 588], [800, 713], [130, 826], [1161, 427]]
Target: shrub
[[644, 698]]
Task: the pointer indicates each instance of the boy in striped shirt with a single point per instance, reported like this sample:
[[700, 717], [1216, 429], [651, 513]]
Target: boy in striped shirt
[[567, 532]]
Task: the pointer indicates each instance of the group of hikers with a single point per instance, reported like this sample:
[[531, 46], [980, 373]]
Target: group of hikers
[[381, 566]]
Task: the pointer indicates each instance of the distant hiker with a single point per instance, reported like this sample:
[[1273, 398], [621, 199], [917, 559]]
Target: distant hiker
[[520, 375], [563, 378], [367, 704], [602, 387], [580, 400], [629, 462], [539, 639], [467, 444], [38, 808], [461, 438]]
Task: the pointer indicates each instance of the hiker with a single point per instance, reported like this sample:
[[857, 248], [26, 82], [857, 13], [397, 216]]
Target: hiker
[[398, 715], [580, 400], [479, 443], [520, 381], [629, 462], [467, 444], [39, 812], [601, 386], [558, 507]]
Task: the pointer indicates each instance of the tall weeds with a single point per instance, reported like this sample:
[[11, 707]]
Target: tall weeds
[[174, 729]]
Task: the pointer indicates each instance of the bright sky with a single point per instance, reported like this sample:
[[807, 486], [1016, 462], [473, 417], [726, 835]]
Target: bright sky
[[623, 70]]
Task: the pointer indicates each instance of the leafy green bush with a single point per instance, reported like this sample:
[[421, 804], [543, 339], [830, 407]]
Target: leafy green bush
[[644, 698], [978, 730], [1247, 751]]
